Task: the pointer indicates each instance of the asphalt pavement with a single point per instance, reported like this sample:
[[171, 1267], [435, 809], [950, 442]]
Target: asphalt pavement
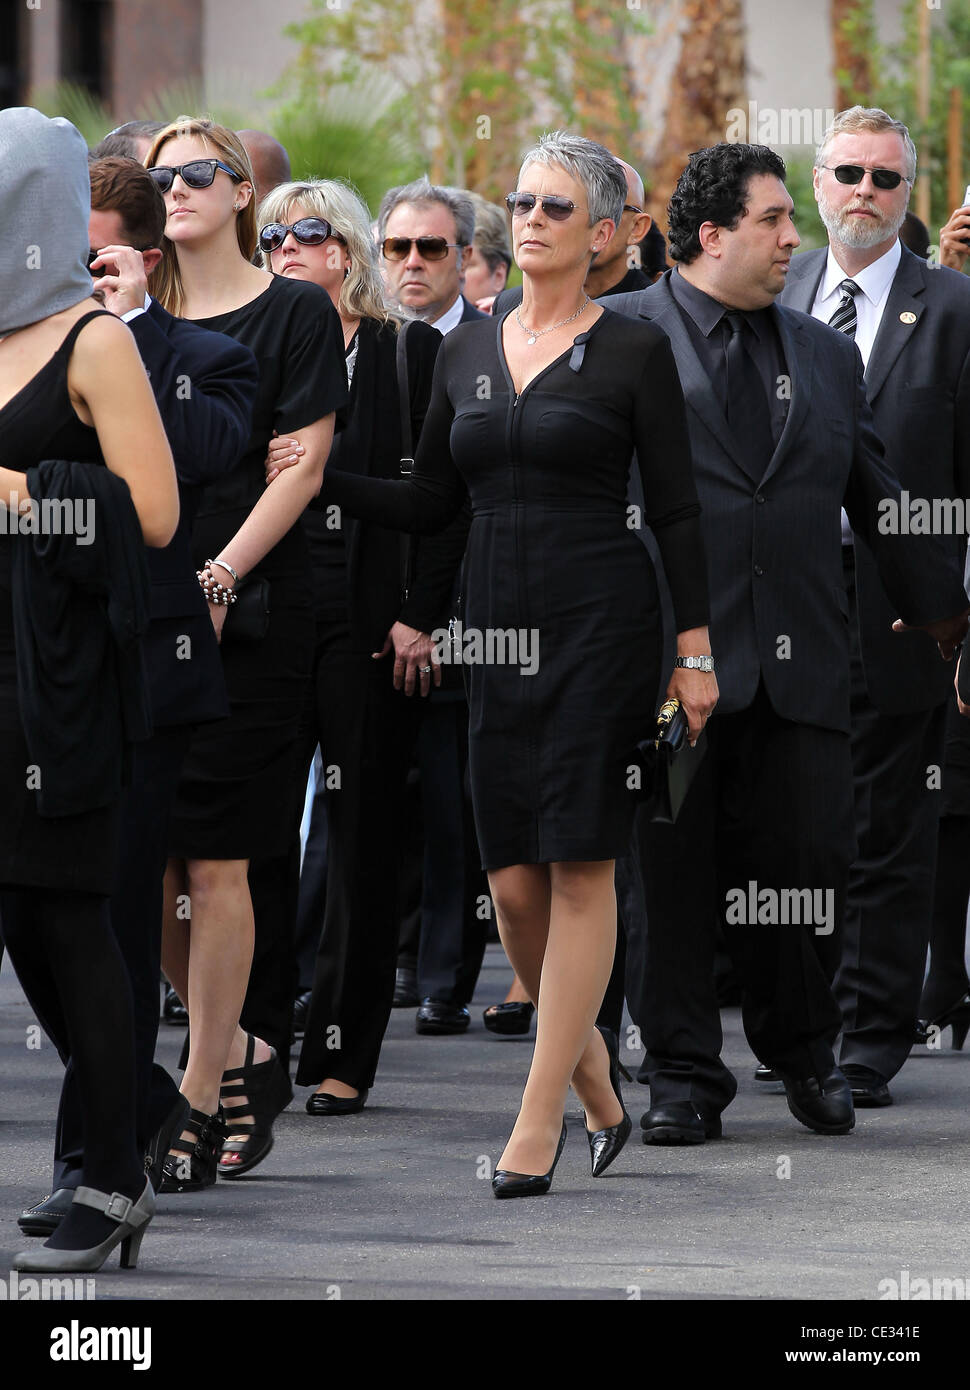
[[395, 1203]]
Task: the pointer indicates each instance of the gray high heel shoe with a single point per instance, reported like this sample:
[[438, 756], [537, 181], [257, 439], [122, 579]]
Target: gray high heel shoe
[[132, 1218]]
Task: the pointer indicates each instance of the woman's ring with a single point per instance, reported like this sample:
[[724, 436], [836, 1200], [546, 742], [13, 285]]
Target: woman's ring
[[425, 670]]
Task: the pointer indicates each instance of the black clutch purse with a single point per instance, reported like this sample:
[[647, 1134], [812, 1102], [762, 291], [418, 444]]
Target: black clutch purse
[[248, 618], [668, 764]]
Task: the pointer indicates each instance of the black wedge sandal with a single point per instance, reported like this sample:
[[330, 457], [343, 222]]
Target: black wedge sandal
[[267, 1090], [192, 1166]]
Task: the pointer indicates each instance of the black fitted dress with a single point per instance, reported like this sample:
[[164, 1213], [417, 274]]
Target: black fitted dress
[[241, 774], [552, 558], [66, 853]]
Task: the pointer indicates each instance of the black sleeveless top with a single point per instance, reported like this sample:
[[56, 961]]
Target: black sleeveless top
[[39, 422]]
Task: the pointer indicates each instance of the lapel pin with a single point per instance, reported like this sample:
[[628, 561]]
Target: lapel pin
[[907, 317]]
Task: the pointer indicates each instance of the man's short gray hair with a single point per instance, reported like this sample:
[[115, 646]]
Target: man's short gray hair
[[596, 169], [423, 191], [873, 120]]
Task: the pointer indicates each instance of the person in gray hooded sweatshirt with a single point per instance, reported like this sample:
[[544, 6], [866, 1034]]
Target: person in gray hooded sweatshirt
[[72, 390]]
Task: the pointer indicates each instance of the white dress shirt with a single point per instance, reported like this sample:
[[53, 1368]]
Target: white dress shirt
[[133, 313], [874, 284], [451, 318]]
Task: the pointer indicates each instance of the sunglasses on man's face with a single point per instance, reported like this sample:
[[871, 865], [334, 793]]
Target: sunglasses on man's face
[[855, 173], [555, 208], [309, 231], [198, 173], [430, 248], [100, 270]]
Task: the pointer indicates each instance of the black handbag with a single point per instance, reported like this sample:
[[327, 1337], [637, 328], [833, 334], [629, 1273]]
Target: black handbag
[[667, 764], [248, 618]]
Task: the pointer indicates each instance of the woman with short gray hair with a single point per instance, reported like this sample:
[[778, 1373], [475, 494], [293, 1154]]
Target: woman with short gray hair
[[537, 415]]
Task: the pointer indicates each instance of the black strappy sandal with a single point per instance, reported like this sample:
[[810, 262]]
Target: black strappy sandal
[[192, 1166], [267, 1090]]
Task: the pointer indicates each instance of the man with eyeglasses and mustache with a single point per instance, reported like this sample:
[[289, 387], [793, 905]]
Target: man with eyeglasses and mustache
[[911, 324], [424, 231]]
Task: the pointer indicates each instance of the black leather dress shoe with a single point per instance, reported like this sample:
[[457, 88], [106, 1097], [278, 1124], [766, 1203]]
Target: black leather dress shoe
[[678, 1122], [173, 1010], [434, 1016], [406, 994], [825, 1107], [43, 1218], [869, 1091], [320, 1103], [301, 1007]]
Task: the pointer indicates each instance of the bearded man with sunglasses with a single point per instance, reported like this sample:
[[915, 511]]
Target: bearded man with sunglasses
[[911, 324]]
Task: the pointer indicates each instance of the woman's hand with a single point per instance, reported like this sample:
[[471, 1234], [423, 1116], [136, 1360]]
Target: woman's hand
[[282, 453], [696, 690], [218, 612]]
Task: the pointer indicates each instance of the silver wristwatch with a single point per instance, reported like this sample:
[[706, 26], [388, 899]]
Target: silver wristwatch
[[695, 663]]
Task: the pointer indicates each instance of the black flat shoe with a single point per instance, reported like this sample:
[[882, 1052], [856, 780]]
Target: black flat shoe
[[406, 994], [509, 1020], [174, 1011], [267, 1091], [957, 1018], [508, 1184], [823, 1106], [437, 1018], [192, 1165], [605, 1144], [43, 1218], [322, 1103], [678, 1122], [301, 1007], [869, 1090]]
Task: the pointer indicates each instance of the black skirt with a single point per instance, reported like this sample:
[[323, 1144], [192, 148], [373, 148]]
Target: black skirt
[[241, 785]]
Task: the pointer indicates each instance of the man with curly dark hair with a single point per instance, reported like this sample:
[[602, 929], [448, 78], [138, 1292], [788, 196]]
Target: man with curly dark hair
[[781, 437]]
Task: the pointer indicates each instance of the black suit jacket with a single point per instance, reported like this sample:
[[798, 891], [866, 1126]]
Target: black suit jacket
[[918, 384], [470, 313], [779, 610], [204, 385]]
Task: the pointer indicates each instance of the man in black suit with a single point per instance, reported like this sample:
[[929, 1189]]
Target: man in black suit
[[911, 324], [781, 437], [425, 232], [204, 385]]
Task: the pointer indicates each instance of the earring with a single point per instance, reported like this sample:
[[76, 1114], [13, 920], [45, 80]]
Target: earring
[[346, 271], [235, 207]]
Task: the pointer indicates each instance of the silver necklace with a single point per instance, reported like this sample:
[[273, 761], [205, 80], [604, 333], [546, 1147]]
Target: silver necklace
[[535, 333]]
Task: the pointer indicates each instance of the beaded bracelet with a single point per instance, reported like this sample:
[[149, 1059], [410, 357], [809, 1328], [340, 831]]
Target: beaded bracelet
[[214, 591]]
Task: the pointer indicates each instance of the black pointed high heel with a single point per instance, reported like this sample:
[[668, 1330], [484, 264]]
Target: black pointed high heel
[[957, 1018], [508, 1184], [605, 1144]]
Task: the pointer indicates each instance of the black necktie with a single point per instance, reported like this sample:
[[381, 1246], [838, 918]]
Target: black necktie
[[845, 318], [747, 405]]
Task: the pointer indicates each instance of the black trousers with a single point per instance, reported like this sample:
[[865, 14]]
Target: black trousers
[[136, 921], [455, 903], [890, 897], [366, 731], [771, 806]]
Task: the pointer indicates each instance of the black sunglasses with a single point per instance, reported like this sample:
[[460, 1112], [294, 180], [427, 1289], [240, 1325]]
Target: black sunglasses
[[309, 231], [629, 207], [430, 248], [198, 173], [102, 269], [555, 208], [855, 173]]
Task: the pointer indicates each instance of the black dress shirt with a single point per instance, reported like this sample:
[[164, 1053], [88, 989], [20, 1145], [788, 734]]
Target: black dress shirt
[[703, 317]]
